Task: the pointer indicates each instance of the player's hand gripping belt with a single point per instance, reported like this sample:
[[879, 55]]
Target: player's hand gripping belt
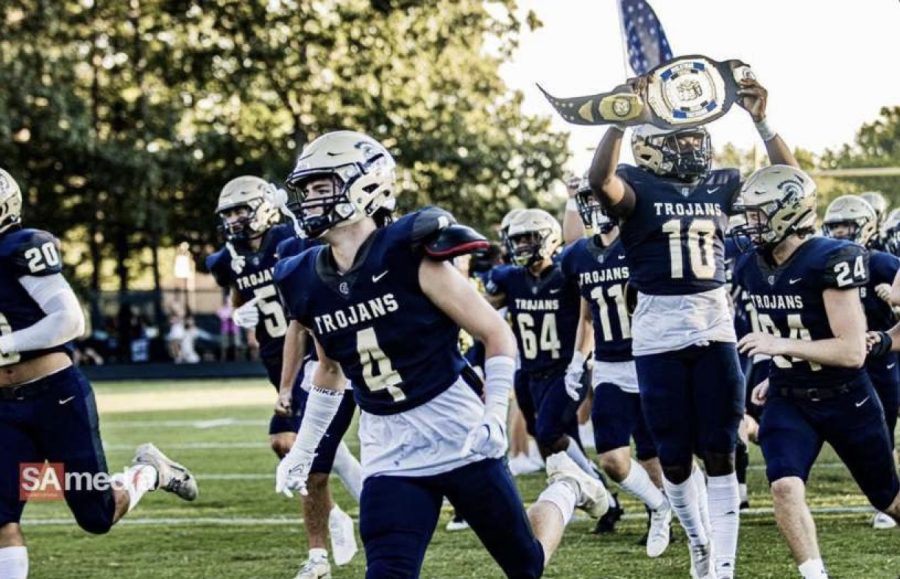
[[488, 437], [247, 316], [879, 344], [293, 470], [574, 373]]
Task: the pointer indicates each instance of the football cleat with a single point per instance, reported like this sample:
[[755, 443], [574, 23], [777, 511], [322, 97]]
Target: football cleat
[[523, 464], [315, 568], [607, 523], [660, 533], [343, 540], [457, 523], [592, 496], [702, 566], [172, 477], [883, 521]]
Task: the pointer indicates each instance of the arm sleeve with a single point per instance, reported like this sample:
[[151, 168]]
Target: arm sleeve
[[64, 320]]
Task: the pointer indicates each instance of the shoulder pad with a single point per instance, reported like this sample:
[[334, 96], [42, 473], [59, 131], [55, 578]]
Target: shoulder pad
[[34, 252], [291, 246], [846, 266], [453, 241], [285, 267], [219, 266], [496, 279]]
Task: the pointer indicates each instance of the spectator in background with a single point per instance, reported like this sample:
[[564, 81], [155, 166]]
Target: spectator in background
[[175, 337], [229, 332]]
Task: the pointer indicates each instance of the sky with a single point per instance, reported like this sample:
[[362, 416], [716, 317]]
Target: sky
[[829, 65]]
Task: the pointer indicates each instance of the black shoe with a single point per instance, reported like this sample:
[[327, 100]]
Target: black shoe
[[643, 540], [607, 523], [745, 505]]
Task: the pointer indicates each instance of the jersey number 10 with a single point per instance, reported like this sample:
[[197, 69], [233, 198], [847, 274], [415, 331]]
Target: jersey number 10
[[699, 241]]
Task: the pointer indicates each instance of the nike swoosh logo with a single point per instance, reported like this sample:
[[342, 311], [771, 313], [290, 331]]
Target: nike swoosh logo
[[889, 366], [863, 401], [377, 278], [793, 281], [622, 256], [712, 190], [556, 291], [67, 400]]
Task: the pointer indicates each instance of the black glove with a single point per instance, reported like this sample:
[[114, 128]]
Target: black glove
[[882, 346]]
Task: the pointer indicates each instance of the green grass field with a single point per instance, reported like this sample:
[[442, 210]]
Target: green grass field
[[239, 527]]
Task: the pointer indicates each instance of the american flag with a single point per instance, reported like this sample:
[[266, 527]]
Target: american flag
[[645, 40]]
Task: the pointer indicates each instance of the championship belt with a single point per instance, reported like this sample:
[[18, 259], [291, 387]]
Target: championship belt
[[688, 91]]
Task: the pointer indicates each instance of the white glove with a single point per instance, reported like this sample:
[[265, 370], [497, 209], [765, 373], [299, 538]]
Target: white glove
[[487, 438], [574, 373], [276, 196], [292, 472], [247, 316]]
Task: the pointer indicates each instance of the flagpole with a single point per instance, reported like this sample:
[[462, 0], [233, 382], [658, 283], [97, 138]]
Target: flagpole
[[624, 37]]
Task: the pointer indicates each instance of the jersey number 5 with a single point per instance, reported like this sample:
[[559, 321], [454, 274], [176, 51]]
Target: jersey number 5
[[271, 308], [701, 250], [13, 357]]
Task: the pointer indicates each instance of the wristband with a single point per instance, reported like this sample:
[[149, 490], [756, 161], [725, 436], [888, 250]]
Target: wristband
[[765, 131]]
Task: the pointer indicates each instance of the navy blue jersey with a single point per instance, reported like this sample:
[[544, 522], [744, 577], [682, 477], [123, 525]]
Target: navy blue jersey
[[788, 302], [25, 252], [882, 269], [601, 274], [253, 279], [544, 313], [742, 321], [397, 348], [675, 237]]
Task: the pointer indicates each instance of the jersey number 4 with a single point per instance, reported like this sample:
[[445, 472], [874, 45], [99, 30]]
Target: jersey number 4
[[13, 357], [378, 371], [698, 237]]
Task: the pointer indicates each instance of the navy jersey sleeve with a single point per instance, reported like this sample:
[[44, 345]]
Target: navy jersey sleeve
[[846, 266], [219, 265], [35, 253], [883, 267], [566, 265], [289, 292], [497, 280]]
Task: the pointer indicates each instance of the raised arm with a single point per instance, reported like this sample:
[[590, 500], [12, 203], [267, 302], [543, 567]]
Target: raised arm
[[753, 98], [614, 193]]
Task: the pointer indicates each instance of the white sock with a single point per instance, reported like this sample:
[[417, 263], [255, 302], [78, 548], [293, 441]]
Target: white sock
[[584, 463], [136, 481], [813, 569], [561, 495], [702, 497], [684, 501], [347, 468], [639, 484], [318, 554], [13, 563], [724, 518]]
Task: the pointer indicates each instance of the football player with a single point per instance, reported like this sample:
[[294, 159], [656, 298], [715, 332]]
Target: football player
[[598, 265], [674, 210], [544, 308], [890, 232], [47, 407], [254, 240], [806, 293], [880, 204], [385, 308], [851, 218]]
